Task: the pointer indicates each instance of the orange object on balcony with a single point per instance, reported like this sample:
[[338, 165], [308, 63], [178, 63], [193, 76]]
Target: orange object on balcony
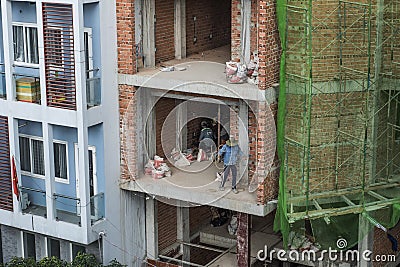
[[28, 90]]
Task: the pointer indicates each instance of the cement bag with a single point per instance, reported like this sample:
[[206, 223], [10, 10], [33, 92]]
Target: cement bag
[[182, 161], [233, 225], [202, 155]]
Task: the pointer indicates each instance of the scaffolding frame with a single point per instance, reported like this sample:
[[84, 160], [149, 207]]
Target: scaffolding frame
[[341, 139]]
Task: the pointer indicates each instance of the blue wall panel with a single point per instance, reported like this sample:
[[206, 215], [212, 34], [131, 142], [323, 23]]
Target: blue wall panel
[[96, 138], [91, 19]]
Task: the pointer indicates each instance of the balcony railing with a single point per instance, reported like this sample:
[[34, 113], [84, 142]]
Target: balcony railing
[[27, 88], [68, 209], [33, 201], [93, 89], [97, 207]]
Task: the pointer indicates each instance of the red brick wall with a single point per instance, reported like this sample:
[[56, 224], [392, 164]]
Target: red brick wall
[[199, 217], [212, 17], [166, 218], [164, 30], [382, 245], [127, 104], [125, 10], [164, 107], [154, 263], [193, 131], [235, 30], [324, 129], [268, 44], [201, 256]]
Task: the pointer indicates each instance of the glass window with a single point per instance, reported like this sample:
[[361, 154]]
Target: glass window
[[38, 157], [60, 160], [76, 249], [29, 246], [53, 248], [25, 154], [25, 41], [31, 155]]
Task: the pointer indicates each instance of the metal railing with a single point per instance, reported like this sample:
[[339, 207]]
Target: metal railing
[[3, 92], [27, 88], [93, 89], [33, 201], [68, 208], [97, 207]]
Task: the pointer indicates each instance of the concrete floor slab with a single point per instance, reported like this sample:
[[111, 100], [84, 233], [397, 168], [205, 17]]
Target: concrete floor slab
[[203, 74], [197, 184]]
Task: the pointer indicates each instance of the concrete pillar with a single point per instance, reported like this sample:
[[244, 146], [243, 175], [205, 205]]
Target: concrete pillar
[[243, 240], [42, 70], [65, 251], [183, 231], [133, 228], [149, 43], [49, 170], [94, 250], [245, 32], [11, 239], [40, 247], [83, 158], [6, 16], [151, 228], [14, 151], [366, 239], [244, 141], [180, 29]]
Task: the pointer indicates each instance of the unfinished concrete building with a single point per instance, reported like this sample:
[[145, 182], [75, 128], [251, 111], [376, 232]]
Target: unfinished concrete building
[[337, 126]]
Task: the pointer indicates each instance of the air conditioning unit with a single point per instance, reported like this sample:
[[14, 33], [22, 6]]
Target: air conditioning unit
[[25, 201]]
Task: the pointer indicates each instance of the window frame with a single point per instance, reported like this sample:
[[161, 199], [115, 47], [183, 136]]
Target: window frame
[[25, 25], [31, 173], [25, 244], [58, 179]]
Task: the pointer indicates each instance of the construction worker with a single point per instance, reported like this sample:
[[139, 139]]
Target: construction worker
[[231, 152], [207, 138]]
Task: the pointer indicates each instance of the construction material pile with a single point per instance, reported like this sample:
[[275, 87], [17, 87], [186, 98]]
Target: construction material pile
[[241, 73], [157, 168]]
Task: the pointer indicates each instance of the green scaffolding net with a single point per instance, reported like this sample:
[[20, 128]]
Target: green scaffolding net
[[338, 119]]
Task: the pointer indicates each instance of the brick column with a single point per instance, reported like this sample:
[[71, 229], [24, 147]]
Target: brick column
[[126, 36], [268, 44], [235, 30], [234, 122], [243, 240], [125, 10]]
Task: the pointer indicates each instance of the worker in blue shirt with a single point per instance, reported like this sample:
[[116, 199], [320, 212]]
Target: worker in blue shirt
[[232, 153]]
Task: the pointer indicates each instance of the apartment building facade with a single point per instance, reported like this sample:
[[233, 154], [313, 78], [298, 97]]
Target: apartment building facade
[[59, 130]]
